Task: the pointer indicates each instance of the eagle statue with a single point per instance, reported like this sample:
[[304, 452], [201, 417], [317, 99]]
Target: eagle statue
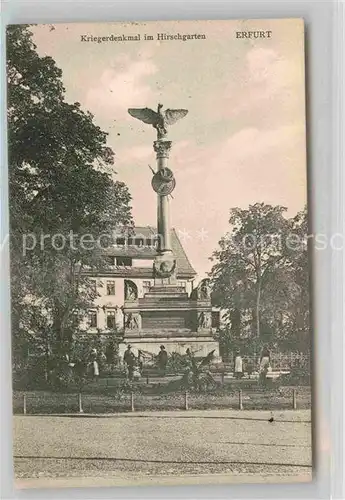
[[159, 119]]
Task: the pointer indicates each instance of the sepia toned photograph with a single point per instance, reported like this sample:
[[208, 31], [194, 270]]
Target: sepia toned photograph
[[160, 299]]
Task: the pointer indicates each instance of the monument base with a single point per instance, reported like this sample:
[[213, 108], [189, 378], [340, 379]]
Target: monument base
[[168, 316], [150, 345]]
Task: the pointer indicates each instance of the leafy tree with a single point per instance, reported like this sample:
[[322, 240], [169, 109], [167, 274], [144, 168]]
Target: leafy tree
[[247, 259], [260, 278], [296, 333], [112, 351], [60, 185]]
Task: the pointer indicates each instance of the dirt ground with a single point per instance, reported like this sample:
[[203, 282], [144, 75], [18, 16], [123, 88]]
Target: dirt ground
[[131, 448]]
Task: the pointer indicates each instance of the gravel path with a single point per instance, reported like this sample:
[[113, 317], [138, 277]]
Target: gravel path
[[143, 445]]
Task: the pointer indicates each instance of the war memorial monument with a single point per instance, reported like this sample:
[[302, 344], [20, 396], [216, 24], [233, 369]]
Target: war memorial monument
[[166, 314]]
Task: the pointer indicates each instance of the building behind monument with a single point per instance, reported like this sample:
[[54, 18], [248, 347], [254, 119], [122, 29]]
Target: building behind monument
[[127, 279]]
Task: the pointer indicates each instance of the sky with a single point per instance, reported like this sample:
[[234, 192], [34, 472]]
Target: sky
[[243, 140]]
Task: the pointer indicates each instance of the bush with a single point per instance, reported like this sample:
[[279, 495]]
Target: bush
[[177, 363], [35, 374], [298, 376]]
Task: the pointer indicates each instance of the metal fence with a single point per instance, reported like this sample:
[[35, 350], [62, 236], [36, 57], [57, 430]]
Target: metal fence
[[41, 402], [280, 362]]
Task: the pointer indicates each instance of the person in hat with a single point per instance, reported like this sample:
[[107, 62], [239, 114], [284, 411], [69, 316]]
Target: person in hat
[[162, 360], [129, 360]]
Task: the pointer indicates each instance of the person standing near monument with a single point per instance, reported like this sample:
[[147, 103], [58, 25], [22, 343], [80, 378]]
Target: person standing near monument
[[265, 364], [238, 365], [162, 360], [95, 369], [94, 364], [265, 359], [129, 360]]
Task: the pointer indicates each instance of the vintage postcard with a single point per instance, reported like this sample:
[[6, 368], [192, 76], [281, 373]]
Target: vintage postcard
[[159, 267]]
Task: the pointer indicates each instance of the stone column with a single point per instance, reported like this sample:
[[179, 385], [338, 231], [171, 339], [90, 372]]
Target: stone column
[[163, 183], [162, 149]]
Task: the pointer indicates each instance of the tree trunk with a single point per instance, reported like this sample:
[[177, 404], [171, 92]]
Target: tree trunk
[[257, 310], [46, 348], [57, 329], [235, 317]]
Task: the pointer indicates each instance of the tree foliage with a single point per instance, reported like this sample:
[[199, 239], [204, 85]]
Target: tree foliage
[[260, 277], [61, 187]]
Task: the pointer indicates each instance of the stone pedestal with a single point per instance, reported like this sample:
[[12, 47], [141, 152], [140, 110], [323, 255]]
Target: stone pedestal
[[167, 315], [198, 345]]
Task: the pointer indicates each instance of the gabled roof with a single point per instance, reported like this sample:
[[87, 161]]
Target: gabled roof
[[148, 250], [182, 262]]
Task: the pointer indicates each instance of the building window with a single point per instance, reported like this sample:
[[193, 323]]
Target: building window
[[182, 284], [121, 242], [146, 286], [111, 260], [110, 287], [111, 319], [124, 261], [93, 319], [139, 242]]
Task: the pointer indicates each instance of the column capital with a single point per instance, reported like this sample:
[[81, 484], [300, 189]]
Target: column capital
[[162, 148]]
